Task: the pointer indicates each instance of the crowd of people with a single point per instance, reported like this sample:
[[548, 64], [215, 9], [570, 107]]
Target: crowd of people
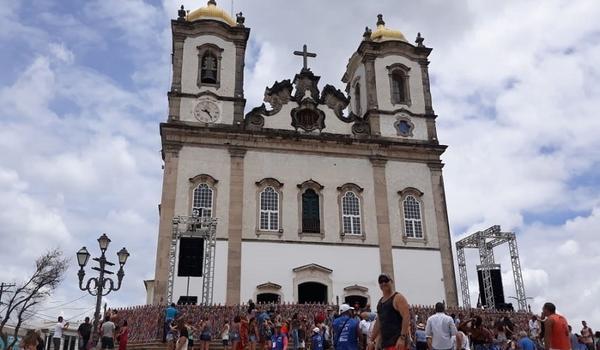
[[392, 325], [147, 322], [499, 329]]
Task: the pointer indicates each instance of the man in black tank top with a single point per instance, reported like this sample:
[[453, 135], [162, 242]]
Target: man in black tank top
[[393, 318]]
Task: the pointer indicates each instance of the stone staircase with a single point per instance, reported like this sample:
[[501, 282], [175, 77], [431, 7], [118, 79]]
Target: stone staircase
[[159, 345]]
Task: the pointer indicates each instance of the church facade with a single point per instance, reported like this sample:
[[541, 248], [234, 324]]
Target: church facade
[[318, 190]]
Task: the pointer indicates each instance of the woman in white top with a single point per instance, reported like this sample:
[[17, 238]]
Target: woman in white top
[[225, 335], [464, 340]]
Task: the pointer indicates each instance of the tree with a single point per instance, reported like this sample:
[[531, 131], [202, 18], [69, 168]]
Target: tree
[[49, 271]]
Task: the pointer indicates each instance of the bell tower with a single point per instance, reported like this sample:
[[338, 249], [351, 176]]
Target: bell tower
[[209, 48], [388, 79]]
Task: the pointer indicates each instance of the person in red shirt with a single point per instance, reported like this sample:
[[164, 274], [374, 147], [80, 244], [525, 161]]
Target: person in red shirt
[[556, 329]]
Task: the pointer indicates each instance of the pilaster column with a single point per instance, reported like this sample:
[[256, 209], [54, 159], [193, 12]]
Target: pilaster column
[[383, 217], [371, 90], [238, 105], [443, 230], [424, 63], [177, 60], [167, 212], [234, 239]]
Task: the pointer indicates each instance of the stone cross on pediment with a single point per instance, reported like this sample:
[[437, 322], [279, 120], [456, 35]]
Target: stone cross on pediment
[[305, 54]]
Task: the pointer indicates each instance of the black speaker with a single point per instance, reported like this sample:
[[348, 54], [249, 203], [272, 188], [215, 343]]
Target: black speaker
[[187, 300], [497, 288], [191, 257]]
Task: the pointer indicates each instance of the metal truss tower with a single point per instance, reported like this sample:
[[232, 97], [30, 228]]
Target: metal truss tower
[[196, 227], [485, 241]]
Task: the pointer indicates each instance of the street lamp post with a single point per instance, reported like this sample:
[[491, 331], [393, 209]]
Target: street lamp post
[[101, 285]]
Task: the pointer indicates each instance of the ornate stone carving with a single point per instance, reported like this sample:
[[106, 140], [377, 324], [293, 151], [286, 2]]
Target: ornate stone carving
[[307, 116], [306, 80], [337, 101], [181, 14], [361, 127], [240, 19], [277, 95]]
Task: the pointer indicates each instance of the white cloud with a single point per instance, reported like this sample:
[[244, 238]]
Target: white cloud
[[62, 53], [569, 248]]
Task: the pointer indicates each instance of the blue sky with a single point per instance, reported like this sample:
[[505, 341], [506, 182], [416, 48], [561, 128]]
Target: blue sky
[[515, 84]]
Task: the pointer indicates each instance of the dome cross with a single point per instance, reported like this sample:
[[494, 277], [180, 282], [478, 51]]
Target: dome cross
[[305, 54]]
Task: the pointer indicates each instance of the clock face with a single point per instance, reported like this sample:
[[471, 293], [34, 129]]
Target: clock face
[[207, 111]]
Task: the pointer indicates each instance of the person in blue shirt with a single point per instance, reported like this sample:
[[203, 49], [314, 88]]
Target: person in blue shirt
[[170, 315], [279, 340], [317, 339], [421, 337], [525, 343], [346, 330]]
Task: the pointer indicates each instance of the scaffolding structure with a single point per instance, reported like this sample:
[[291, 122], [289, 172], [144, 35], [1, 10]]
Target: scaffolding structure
[[484, 242], [195, 227]]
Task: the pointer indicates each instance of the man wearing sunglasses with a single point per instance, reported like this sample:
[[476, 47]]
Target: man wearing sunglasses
[[393, 318]]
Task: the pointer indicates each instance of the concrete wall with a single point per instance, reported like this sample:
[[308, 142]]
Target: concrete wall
[[294, 169], [186, 110], [273, 262], [194, 161], [384, 97], [400, 175], [189, 76], [419, 275]]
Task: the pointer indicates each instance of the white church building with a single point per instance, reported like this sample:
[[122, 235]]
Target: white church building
[[318, 190]]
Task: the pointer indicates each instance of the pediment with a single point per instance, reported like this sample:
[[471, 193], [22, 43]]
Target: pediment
[[356, 288], [268, 285], [306, 108], [313, 267]]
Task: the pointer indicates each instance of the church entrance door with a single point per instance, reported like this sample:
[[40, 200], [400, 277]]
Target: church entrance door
[[352, 300], [312, 292], [267, 298]]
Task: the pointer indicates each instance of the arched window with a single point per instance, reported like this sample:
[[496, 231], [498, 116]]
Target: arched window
[[269, 209], [208, 74], [269, 199], [311, 217], [202, 204], [413, 226], [209, 65], [399, 84], [351, 214]]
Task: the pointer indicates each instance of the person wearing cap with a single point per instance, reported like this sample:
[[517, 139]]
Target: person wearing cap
[[279, 340], [346, 330], [317, 339], [393, 318], [421, 337]]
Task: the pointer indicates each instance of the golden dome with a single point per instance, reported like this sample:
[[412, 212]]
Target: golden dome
[[382, 33], [211, 11]]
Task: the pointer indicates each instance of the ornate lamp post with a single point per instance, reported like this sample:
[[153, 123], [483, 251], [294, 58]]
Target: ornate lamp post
[[101, 285]]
